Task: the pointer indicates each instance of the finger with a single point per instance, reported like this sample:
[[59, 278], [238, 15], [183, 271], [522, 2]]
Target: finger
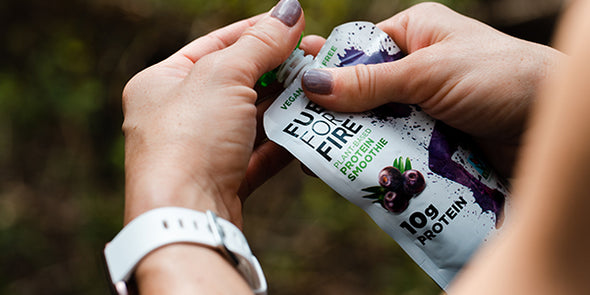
[[265, 45], [414, 79], [423, 25], [312, 44], [415, 18], [266, 160], [363, 87], [216, 40], [396, 27]]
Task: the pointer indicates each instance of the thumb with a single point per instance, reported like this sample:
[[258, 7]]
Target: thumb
[[364, 87], [268, 43]]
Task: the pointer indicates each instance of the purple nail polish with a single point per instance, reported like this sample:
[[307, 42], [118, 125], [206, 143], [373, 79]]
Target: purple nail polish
[[287, 11], [318, 81]]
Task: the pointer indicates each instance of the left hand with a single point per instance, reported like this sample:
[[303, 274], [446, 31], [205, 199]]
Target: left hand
[[191, 141], [190, 120]]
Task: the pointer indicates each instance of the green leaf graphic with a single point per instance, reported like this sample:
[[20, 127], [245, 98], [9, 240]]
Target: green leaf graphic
[[373, 196], [402, 165], [373, 189]]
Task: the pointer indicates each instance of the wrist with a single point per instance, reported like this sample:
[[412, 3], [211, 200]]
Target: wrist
[[159, 185]]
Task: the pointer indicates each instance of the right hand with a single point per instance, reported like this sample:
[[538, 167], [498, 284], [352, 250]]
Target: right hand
[[460, 71]]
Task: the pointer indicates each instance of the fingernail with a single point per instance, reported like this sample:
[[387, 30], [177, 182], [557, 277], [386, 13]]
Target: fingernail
[[287, 11], [318, 81]]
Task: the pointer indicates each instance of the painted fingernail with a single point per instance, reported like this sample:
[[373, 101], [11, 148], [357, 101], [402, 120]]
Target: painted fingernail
[[318, 81], [287, 11]]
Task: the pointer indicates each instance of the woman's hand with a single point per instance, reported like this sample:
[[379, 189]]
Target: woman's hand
[[191, 141], [190, 121], [458, 70]]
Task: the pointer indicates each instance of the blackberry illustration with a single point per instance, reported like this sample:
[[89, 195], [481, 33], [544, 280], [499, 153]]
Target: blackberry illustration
[[413, 182], [397, 185], [395, 202], [391, 178]]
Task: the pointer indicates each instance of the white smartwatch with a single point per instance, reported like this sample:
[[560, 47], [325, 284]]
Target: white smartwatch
[[168, 225]]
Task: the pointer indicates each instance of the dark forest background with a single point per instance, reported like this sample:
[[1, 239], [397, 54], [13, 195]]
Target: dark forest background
[[63, 65]]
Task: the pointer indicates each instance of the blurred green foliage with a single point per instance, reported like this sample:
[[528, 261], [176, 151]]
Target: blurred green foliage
[[63, 65]]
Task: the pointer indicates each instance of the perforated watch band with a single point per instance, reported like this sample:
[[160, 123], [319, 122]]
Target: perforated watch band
[[169, 225]]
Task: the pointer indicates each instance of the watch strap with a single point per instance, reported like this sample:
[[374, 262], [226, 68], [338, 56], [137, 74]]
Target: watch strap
[[168, 225]]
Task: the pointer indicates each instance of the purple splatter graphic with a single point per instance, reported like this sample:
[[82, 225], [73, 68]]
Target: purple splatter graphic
[[443, 144], [353, 57], [392, 110]]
